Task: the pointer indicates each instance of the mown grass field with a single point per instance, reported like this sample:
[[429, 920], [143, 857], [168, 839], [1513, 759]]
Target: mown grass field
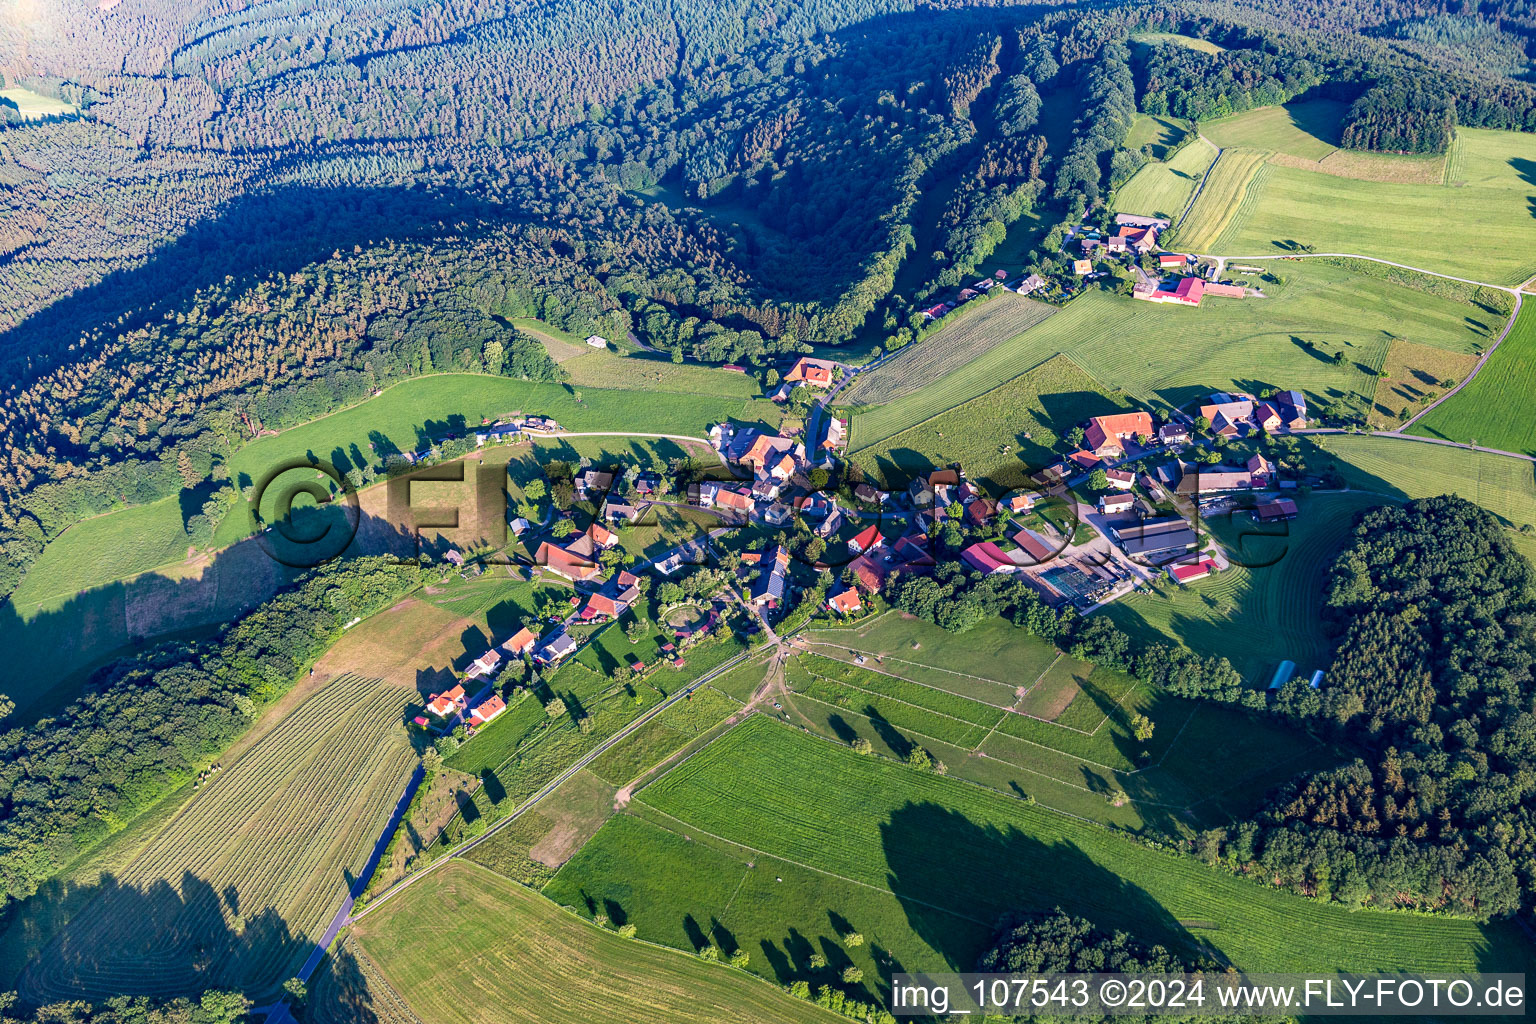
[[1260, 615], [1001, 436], [1405, 468], [1484, 158], [235, 889], [1165, 356], [1306, 135], [525, 959], [1255, 206], [645, 371], [1005, 710], [952, 858], [664, 736], [34, 104], [532, 848], [1176, 39], [971, 332], [1411, 378], [1163, 189], [562, 345], [1493, 410]]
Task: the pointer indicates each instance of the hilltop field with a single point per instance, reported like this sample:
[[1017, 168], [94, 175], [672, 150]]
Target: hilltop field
[[1281, 183]]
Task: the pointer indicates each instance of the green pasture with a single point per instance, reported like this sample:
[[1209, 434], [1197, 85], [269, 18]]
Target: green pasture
[[1484, 158], [864, 832], [1404, 468], [1163, 189], [466, 930], [34, 105], [968, 333], [1176, 39], [1000, 436], [1161, 133], [1493, 409], [1168, 356], [1278, 209]]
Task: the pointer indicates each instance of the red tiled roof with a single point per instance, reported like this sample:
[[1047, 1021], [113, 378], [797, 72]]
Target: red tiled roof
[[866, 539], [1033, 546], [1202, 568], [987, 557], [847, 601]]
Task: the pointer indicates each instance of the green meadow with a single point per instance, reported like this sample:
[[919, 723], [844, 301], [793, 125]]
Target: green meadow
[[783, 844], [1258, 204], [1168, 356], [1404, 468], [1493, 409], [1163, 189]]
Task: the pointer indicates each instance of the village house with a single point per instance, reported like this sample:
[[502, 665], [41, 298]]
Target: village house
[[1120, 479], [773, 572], [1082, 267], [910, 552], [777, 514], [815, 372], [617, 512], [703, 494], [592, 482], [614, 598], [845, 602], [935, 311], [1106, 435], [485, 666], [867, 539], [1032, 283], [520, 643], [831, 524], [556, 649], [837, 434], [1229, 414], [981, 511], [1173, 433], [870, 572], [487, 710], [768, 449], [448, 703], [869, 495]]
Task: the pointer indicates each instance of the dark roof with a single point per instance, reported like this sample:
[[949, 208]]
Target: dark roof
[[1142, 544]]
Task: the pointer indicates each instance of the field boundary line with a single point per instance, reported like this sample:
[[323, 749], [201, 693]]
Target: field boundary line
[[790, 860], [898, 700], [903, 661], [914, 682], [977, 748]]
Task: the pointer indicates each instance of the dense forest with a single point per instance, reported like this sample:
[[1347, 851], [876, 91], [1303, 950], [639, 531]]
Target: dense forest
[[213, 1007], [264, 213], [69, 781]]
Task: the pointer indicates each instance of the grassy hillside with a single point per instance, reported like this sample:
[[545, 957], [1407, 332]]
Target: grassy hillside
[[1166, 355], [1306, 135], [796, 842], [1413, 469], [1494, 409], [999, 436], [1163, 189], [1257, 204], [466, 930], [967, 334], [1256, 616]]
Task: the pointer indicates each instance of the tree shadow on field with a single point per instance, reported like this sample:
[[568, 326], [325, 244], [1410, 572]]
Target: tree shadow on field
[[111, 938], [939, 858]]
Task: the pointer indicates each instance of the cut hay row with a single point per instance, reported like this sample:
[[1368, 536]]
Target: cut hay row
[[232, 892], [1225, 188]]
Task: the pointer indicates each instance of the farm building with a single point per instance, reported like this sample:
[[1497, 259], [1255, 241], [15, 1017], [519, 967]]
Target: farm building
[[597, 341], [837, 434], [1282, 675], [1107, 434], [1186, 293], [732, 500], [815, 372], [1033, 546], [1153, 539], [987, 557], [1137, 221], [1189, 572], [562, 563], [768, 588], [1172, 260], [1275, 511], [870, 573]]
